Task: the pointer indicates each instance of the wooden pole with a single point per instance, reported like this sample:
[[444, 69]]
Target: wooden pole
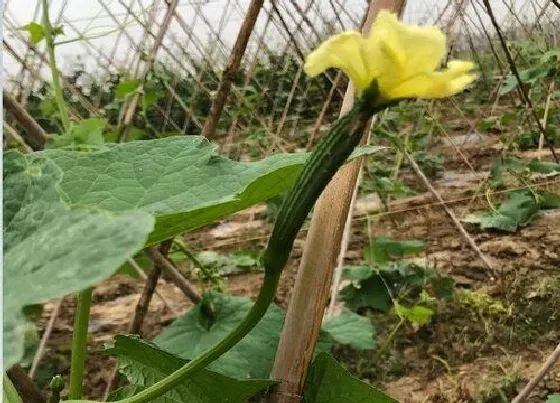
[[33, 134], [312, 286], [228, 75]]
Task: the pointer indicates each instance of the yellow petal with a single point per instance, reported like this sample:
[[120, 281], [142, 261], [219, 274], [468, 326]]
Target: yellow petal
[[439, 84], [424, 46], [341, 51], [397, 52]]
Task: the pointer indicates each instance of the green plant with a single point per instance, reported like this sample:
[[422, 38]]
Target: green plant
[[386, 283]]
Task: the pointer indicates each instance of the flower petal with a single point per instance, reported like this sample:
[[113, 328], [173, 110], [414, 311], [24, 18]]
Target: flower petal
[[421, 48], [342, 51], [437, 84]]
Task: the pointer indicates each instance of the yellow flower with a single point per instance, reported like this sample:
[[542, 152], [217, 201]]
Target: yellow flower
[[403, 58]]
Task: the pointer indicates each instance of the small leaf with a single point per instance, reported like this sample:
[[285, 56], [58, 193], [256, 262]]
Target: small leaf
[[126, 88], [36, 30], [356, 273], [382, 249], [48, 108], [371, 293], [515, 212], [352, 329], [548, 200], [543, 167], [87, 132], [58, 30], [508, 85], [418, 314], [553, 398], [150, 97], [329, 382]]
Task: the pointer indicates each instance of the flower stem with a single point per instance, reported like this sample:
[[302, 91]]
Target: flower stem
[[79, 343], [57, 88]]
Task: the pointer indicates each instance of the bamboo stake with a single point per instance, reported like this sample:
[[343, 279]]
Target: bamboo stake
[[312, 286], [33, 134], [228, 74]]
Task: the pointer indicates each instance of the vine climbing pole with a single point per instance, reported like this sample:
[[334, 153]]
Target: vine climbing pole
[[320, 255]]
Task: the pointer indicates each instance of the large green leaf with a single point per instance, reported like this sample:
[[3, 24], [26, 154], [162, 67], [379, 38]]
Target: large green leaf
[[180, 180], [144, 364], [252, 357], [515, 212], [352, 329], [51, 250], [328, 382]]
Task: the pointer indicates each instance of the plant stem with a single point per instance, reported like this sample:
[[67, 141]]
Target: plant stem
[[57, 88], [79, 343], [263, 301]]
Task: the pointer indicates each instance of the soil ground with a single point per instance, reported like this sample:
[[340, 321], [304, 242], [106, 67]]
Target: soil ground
[[464, 354]]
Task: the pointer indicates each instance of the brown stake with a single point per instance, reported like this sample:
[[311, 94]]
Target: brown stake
[[140, 311], [229, 72], [313, 281], [177, 277], [551, 360], [33, 134]]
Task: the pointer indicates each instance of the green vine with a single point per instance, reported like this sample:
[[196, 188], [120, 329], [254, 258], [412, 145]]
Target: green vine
[[57, 88]]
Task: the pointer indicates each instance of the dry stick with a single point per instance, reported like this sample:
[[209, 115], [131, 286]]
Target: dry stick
[[34, 134], [322, 246], [538, 377], [142, 274], [176, 276], [520, 87], [141, 308], [545, 118], [229, 72], [450, 213], [25, 386], [249, 75], [45, 338], [10, 131]]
